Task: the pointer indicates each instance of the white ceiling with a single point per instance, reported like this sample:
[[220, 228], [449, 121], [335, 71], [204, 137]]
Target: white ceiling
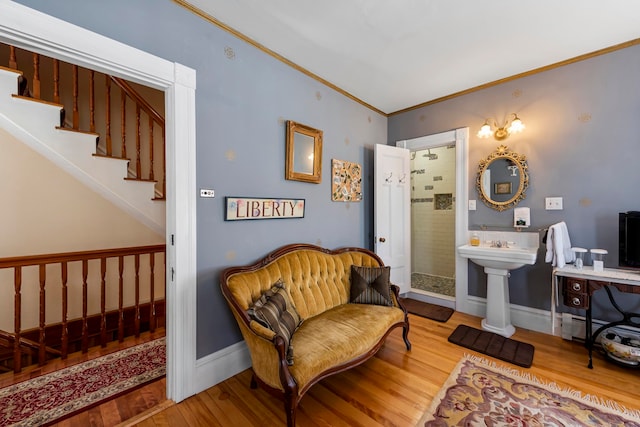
[[395, 54]]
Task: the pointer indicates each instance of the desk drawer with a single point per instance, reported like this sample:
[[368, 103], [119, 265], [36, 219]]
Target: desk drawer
[[570, 284], [576, 300]]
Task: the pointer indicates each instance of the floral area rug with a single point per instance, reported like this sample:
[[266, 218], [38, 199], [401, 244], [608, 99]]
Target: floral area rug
[[481, 393], [51, 397]]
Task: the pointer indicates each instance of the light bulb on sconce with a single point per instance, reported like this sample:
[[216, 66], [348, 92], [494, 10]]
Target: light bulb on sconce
[[512, 125]]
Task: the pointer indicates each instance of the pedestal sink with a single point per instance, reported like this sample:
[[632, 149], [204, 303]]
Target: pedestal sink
[[497, 263]]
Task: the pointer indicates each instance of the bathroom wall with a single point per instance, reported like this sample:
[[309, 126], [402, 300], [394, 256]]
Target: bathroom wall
[[582, 142], [433, 185]]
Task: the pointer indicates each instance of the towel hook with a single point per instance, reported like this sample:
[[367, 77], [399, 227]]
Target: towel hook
[[388, 179]]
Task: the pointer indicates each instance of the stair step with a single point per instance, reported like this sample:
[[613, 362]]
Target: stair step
[[141, 180], [41, 101], [104, 156]]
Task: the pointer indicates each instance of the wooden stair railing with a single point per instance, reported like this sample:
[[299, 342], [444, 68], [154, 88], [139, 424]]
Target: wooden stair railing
[[99, 284], [82, 101]]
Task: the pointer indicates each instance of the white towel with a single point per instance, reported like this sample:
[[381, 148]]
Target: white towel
[[559, 246]]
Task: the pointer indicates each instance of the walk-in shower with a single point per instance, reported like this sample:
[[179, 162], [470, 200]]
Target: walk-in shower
[[433, 185]]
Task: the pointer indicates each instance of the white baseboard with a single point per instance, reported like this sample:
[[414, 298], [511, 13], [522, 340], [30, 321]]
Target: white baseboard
[[529, 318], [217, 367]]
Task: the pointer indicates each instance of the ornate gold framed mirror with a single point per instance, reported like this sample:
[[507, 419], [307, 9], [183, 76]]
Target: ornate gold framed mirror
[[503, 178], [304, 153]]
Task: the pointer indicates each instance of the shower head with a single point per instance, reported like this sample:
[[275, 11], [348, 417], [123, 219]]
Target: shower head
[[430, 156]]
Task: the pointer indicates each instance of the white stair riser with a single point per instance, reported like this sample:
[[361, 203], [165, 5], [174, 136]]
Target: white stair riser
[[8, 83]]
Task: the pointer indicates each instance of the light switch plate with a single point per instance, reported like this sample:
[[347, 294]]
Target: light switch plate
[[205, 192], [472, 205], [553, 203]]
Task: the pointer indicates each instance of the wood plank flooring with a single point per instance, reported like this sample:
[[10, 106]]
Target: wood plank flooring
[[395, 387]]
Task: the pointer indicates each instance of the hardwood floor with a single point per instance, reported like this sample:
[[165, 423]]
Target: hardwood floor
[[396, 386]]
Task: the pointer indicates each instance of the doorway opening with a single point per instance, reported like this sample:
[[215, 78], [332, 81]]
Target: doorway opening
[[433, 219], [446, 156]]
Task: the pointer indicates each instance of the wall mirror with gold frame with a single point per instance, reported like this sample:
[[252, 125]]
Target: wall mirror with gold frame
[[304, 153], [503, 178]]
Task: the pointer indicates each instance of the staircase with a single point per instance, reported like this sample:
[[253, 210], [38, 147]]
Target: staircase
[[38, 124]]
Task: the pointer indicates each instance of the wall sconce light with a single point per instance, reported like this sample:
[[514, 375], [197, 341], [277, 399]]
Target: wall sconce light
[[512, 125]]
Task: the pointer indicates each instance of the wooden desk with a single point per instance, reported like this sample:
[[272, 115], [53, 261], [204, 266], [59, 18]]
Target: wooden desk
[[576, 288]]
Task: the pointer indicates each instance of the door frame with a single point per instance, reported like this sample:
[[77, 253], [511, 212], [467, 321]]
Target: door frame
[[460, 137], [32, 30]]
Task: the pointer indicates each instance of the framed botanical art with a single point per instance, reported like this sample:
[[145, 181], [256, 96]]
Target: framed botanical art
[[502, 188], [346, 181]]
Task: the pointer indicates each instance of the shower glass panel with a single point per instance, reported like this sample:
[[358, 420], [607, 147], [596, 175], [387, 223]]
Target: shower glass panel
[[433, 215]]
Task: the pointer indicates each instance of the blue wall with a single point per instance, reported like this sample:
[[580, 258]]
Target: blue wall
[[582, 142], [243, 98]]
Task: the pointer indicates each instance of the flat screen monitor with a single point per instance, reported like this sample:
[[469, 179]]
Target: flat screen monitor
[[629, 254]]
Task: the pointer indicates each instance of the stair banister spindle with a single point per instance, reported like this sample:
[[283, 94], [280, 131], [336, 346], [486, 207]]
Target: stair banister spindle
[[92, 102], [136, 321], [85, 306], [13, 63], [138, 137], [107, 113], [76, 112], [17, 314], [42, 355], [120, 298], [36, 76], [56, 81], [123, 124], [152, 293], [65, 310], [103, 301], [151, 166]]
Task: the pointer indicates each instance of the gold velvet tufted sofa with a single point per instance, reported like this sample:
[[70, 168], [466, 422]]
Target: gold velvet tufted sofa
[[334, 336]]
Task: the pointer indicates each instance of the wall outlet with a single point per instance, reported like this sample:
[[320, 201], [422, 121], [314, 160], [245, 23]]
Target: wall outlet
[[553, 203], [205, 192]]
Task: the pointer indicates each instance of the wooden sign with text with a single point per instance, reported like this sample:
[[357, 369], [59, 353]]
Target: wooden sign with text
[[239, 208]]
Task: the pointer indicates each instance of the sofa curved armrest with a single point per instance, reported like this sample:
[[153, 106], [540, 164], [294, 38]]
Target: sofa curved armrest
[[261, 330], [397, 301]]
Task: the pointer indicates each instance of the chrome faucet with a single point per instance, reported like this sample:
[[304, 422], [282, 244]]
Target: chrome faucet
[[499, 244]]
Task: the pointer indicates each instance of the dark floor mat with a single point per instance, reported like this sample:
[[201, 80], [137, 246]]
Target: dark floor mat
[[494, 345], [425, 309]]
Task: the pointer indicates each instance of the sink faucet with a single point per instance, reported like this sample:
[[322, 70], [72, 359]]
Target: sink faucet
[[499, 244]]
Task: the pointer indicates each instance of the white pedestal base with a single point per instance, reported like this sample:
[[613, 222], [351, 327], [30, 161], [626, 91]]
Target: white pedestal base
[[498, 319]]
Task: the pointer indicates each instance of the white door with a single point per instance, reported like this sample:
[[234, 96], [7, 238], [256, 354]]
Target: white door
[[392, 212]]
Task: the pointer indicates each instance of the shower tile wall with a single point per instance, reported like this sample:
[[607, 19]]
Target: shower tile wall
[[433, 223]]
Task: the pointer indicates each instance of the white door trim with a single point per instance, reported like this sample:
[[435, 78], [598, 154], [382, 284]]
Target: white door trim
[[28, 29], [461, 138]]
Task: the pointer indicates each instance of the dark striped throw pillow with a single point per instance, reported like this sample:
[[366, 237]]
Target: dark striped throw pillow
[[274, 310], [370, 285]]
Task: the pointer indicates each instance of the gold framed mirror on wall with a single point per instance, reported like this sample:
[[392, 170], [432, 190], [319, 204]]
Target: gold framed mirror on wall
[[304, 153], [503, 178]]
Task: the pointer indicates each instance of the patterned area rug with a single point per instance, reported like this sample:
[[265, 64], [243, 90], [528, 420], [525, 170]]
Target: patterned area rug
[[481, 393], [48, 398]]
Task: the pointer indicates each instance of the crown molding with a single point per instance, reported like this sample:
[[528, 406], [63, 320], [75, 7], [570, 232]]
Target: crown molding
[[579, 58], [275, 55]]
